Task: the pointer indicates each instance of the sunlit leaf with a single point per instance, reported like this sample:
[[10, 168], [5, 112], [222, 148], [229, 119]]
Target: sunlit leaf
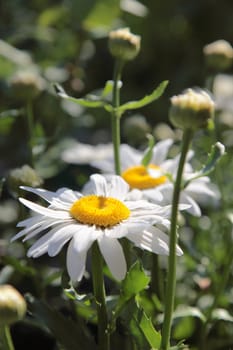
[[145, 100], [149, 151], [217, 151], [189, 311], [221, 314], [135, 281], [153, 337], [90, 101]]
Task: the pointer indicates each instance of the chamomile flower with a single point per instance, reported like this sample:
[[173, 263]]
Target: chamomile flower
[[104, 215], [156, 181]]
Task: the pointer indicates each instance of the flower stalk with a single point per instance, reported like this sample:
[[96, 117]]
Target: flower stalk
[[5, 338], [99, 293], [116, 138], [171, 282]]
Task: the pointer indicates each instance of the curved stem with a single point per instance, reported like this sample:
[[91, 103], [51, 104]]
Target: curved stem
[[5, 338], [171, 282], [99, 293]]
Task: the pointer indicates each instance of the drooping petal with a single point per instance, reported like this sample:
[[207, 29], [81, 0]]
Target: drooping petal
[[58, 214], [114, 256], [154, 240], [46, 195], [160, 151], [75, 261], [129, 156], [194, 208], [62, 236]]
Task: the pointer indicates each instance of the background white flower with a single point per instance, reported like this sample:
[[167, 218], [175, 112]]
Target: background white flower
[[104, 216], [163, 171]]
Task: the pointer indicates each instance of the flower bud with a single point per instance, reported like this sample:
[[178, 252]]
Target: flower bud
[[12, 305], [218, 55], [191, 110], [26, 85], [24, 176], [123, 44]]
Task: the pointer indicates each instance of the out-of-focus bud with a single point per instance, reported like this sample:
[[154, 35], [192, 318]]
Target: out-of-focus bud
[[123, 44], [135, 129], [27, 84], [24, 176], [191, 110], [12, 305], [218, 55]]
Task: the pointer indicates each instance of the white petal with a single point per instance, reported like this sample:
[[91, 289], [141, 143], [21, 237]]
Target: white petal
[[118, 188], [117, 231], [153, 240], [62, 236], [160, 151], [153, 194], [29, 229], [129, 156], [194, 208], [100, 187], [113, 255], [75, 262], [85, 237], [45, 211], [31, 221], [46, 195]]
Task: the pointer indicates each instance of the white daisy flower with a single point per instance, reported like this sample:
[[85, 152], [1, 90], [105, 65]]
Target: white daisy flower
[[156, 181], [103, 216]]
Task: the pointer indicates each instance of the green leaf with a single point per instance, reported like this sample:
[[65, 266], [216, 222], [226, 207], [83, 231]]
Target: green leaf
[[91, 101], [145, 100], [71, 335], [107, 88], [221, 314], [149, 151], [153, 337], [135, 281], [189, 311], [217, 151]]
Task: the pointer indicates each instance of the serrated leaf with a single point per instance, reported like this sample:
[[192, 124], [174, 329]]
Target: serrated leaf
[[145, 100], [221, 314], [217, 151], [149, 151], [135, 281], [90, 101], [153, 337], [189, 311], [71, 335]]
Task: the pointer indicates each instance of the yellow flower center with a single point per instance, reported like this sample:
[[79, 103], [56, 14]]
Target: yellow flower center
[[99, 211], [138, 177]]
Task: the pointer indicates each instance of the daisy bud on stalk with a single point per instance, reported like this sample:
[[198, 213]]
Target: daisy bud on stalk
[[218, 55], [191, 110], [123, 44], [12, 305]]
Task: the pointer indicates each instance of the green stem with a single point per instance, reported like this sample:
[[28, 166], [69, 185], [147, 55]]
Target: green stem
[[30, 124], [157, 286], [171, 282], [5, 338], [99, 293], [116, 138]]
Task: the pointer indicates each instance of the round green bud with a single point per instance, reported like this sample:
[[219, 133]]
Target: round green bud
[[12, 305], [24, 176], [191, 110], [123, 44], [26, 85], [218, 55]]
